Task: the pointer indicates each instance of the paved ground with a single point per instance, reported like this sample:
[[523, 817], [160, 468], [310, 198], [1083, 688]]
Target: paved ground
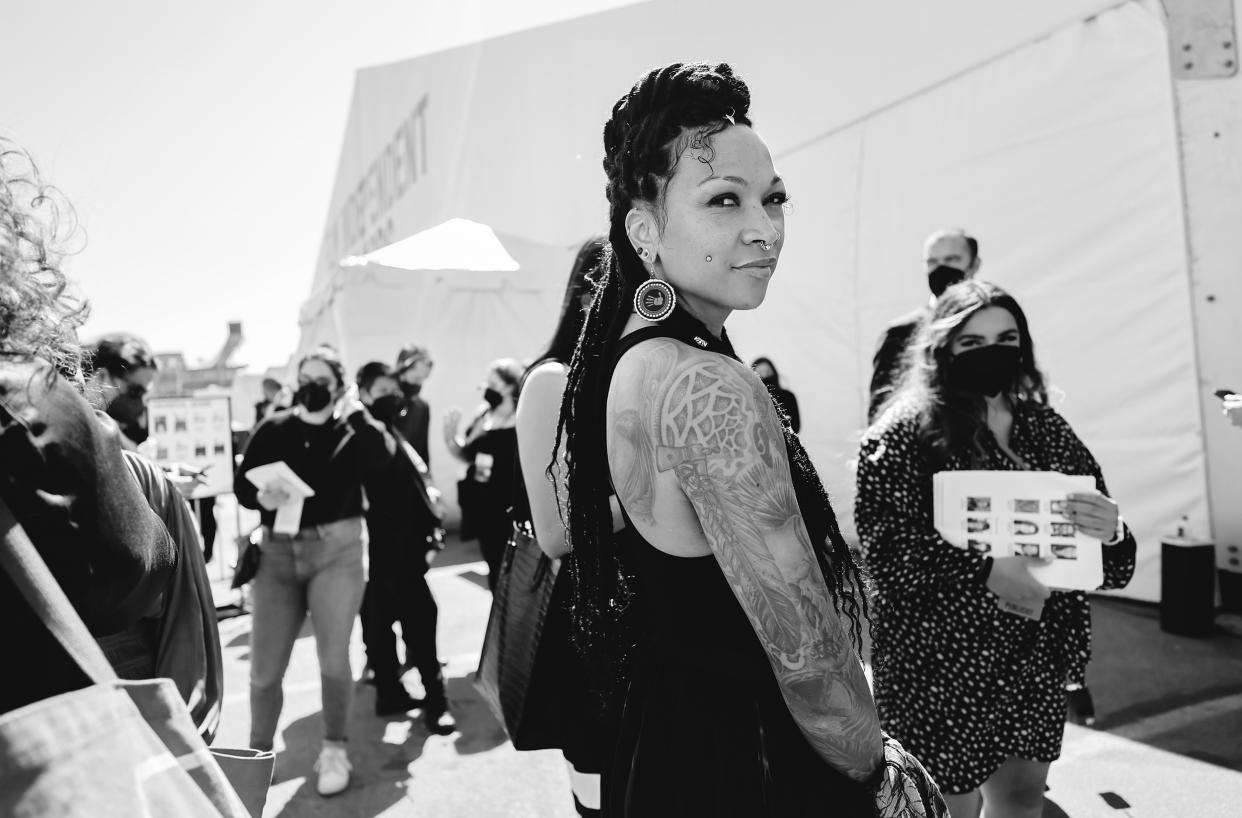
[[1167, 740]]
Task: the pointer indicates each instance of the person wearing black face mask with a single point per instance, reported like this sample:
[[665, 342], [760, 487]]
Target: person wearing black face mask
[[973, 398], [414, 422], [332, 443], [949, 256], [784, 399], [403, 521], [489, 446]]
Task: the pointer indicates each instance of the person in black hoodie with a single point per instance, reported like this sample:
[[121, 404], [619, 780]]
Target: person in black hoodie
[[333, 445], [403, 521]]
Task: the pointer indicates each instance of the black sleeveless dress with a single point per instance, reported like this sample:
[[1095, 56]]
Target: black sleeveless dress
[[704, 728]]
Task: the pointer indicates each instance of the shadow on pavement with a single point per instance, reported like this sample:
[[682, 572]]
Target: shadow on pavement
[[1164, 690], [381, 751], [242, 638], [457, 552], [477, 729]]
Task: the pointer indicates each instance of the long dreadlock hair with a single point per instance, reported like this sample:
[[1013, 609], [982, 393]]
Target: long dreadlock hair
[[667, 110]]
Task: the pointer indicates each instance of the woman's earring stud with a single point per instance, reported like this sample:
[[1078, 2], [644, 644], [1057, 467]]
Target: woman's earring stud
[[709, 258]]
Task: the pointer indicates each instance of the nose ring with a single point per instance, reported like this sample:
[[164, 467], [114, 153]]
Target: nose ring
[[766, 245]]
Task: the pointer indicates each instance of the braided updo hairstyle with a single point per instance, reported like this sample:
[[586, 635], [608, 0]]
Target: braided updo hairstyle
[[668, 110]]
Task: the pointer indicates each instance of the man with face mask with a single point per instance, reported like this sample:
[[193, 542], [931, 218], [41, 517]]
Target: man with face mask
[[403, 520], [949, 256], [121, 370], [413, 366]]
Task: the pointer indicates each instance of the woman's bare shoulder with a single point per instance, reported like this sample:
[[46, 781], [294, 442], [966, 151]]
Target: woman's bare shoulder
[[652, 362]]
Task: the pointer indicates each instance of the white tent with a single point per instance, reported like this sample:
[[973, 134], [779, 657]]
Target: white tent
[[1060, 133], [489, 297]]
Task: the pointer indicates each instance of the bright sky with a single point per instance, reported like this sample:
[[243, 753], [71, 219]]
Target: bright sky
[[198, 143]]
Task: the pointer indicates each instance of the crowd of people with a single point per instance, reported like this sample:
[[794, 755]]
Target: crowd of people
[[715, 611]]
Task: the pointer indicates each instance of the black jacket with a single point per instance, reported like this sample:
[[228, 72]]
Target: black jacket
[[334, 459], [401, 518], [63, 474], [889, 363], [413, 423]]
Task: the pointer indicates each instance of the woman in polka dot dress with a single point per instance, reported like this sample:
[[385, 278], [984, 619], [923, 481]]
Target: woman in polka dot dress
[[976, 692]]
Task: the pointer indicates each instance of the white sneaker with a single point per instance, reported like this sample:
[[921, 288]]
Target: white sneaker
[[333, 768]]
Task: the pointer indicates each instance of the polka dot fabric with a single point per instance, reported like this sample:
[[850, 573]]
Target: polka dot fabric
[[958, 682]]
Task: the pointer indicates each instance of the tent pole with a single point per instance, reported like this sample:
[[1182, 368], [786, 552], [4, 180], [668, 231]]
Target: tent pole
[[1208, 106]]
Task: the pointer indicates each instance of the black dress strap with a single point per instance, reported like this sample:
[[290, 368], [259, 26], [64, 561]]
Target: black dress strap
[[636, 337], [680, 326]]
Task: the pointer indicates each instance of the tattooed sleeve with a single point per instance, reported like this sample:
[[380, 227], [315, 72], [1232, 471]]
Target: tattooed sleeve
[[711, 423]]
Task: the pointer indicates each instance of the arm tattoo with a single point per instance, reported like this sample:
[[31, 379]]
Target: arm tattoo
[[637, 479], [630, 440], [706, 422]]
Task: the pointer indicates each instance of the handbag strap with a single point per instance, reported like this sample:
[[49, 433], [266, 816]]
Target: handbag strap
[[43, 593]]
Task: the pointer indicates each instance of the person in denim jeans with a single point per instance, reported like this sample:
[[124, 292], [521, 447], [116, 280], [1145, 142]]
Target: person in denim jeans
[[330, 441]]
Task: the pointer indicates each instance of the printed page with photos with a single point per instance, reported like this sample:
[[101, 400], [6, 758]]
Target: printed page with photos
[[1020, 513]]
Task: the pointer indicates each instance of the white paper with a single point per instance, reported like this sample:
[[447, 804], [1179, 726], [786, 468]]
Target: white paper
[[279, 475], [1019, 513], [288, 517], [270, 475]]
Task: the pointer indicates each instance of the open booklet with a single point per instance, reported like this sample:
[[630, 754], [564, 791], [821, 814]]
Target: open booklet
[[278, 474], [1020, 513]]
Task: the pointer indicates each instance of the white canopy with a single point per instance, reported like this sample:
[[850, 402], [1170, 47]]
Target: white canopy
[[467, 317]]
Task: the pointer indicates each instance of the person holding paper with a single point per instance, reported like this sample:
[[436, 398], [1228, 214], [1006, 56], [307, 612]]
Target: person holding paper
[[312, 546], [967, 683]]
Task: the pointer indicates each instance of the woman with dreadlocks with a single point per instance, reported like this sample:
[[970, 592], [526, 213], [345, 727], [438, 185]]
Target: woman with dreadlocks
[[729, 604]]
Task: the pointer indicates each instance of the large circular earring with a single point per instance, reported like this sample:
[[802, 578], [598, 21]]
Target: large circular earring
[[654, 299]]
